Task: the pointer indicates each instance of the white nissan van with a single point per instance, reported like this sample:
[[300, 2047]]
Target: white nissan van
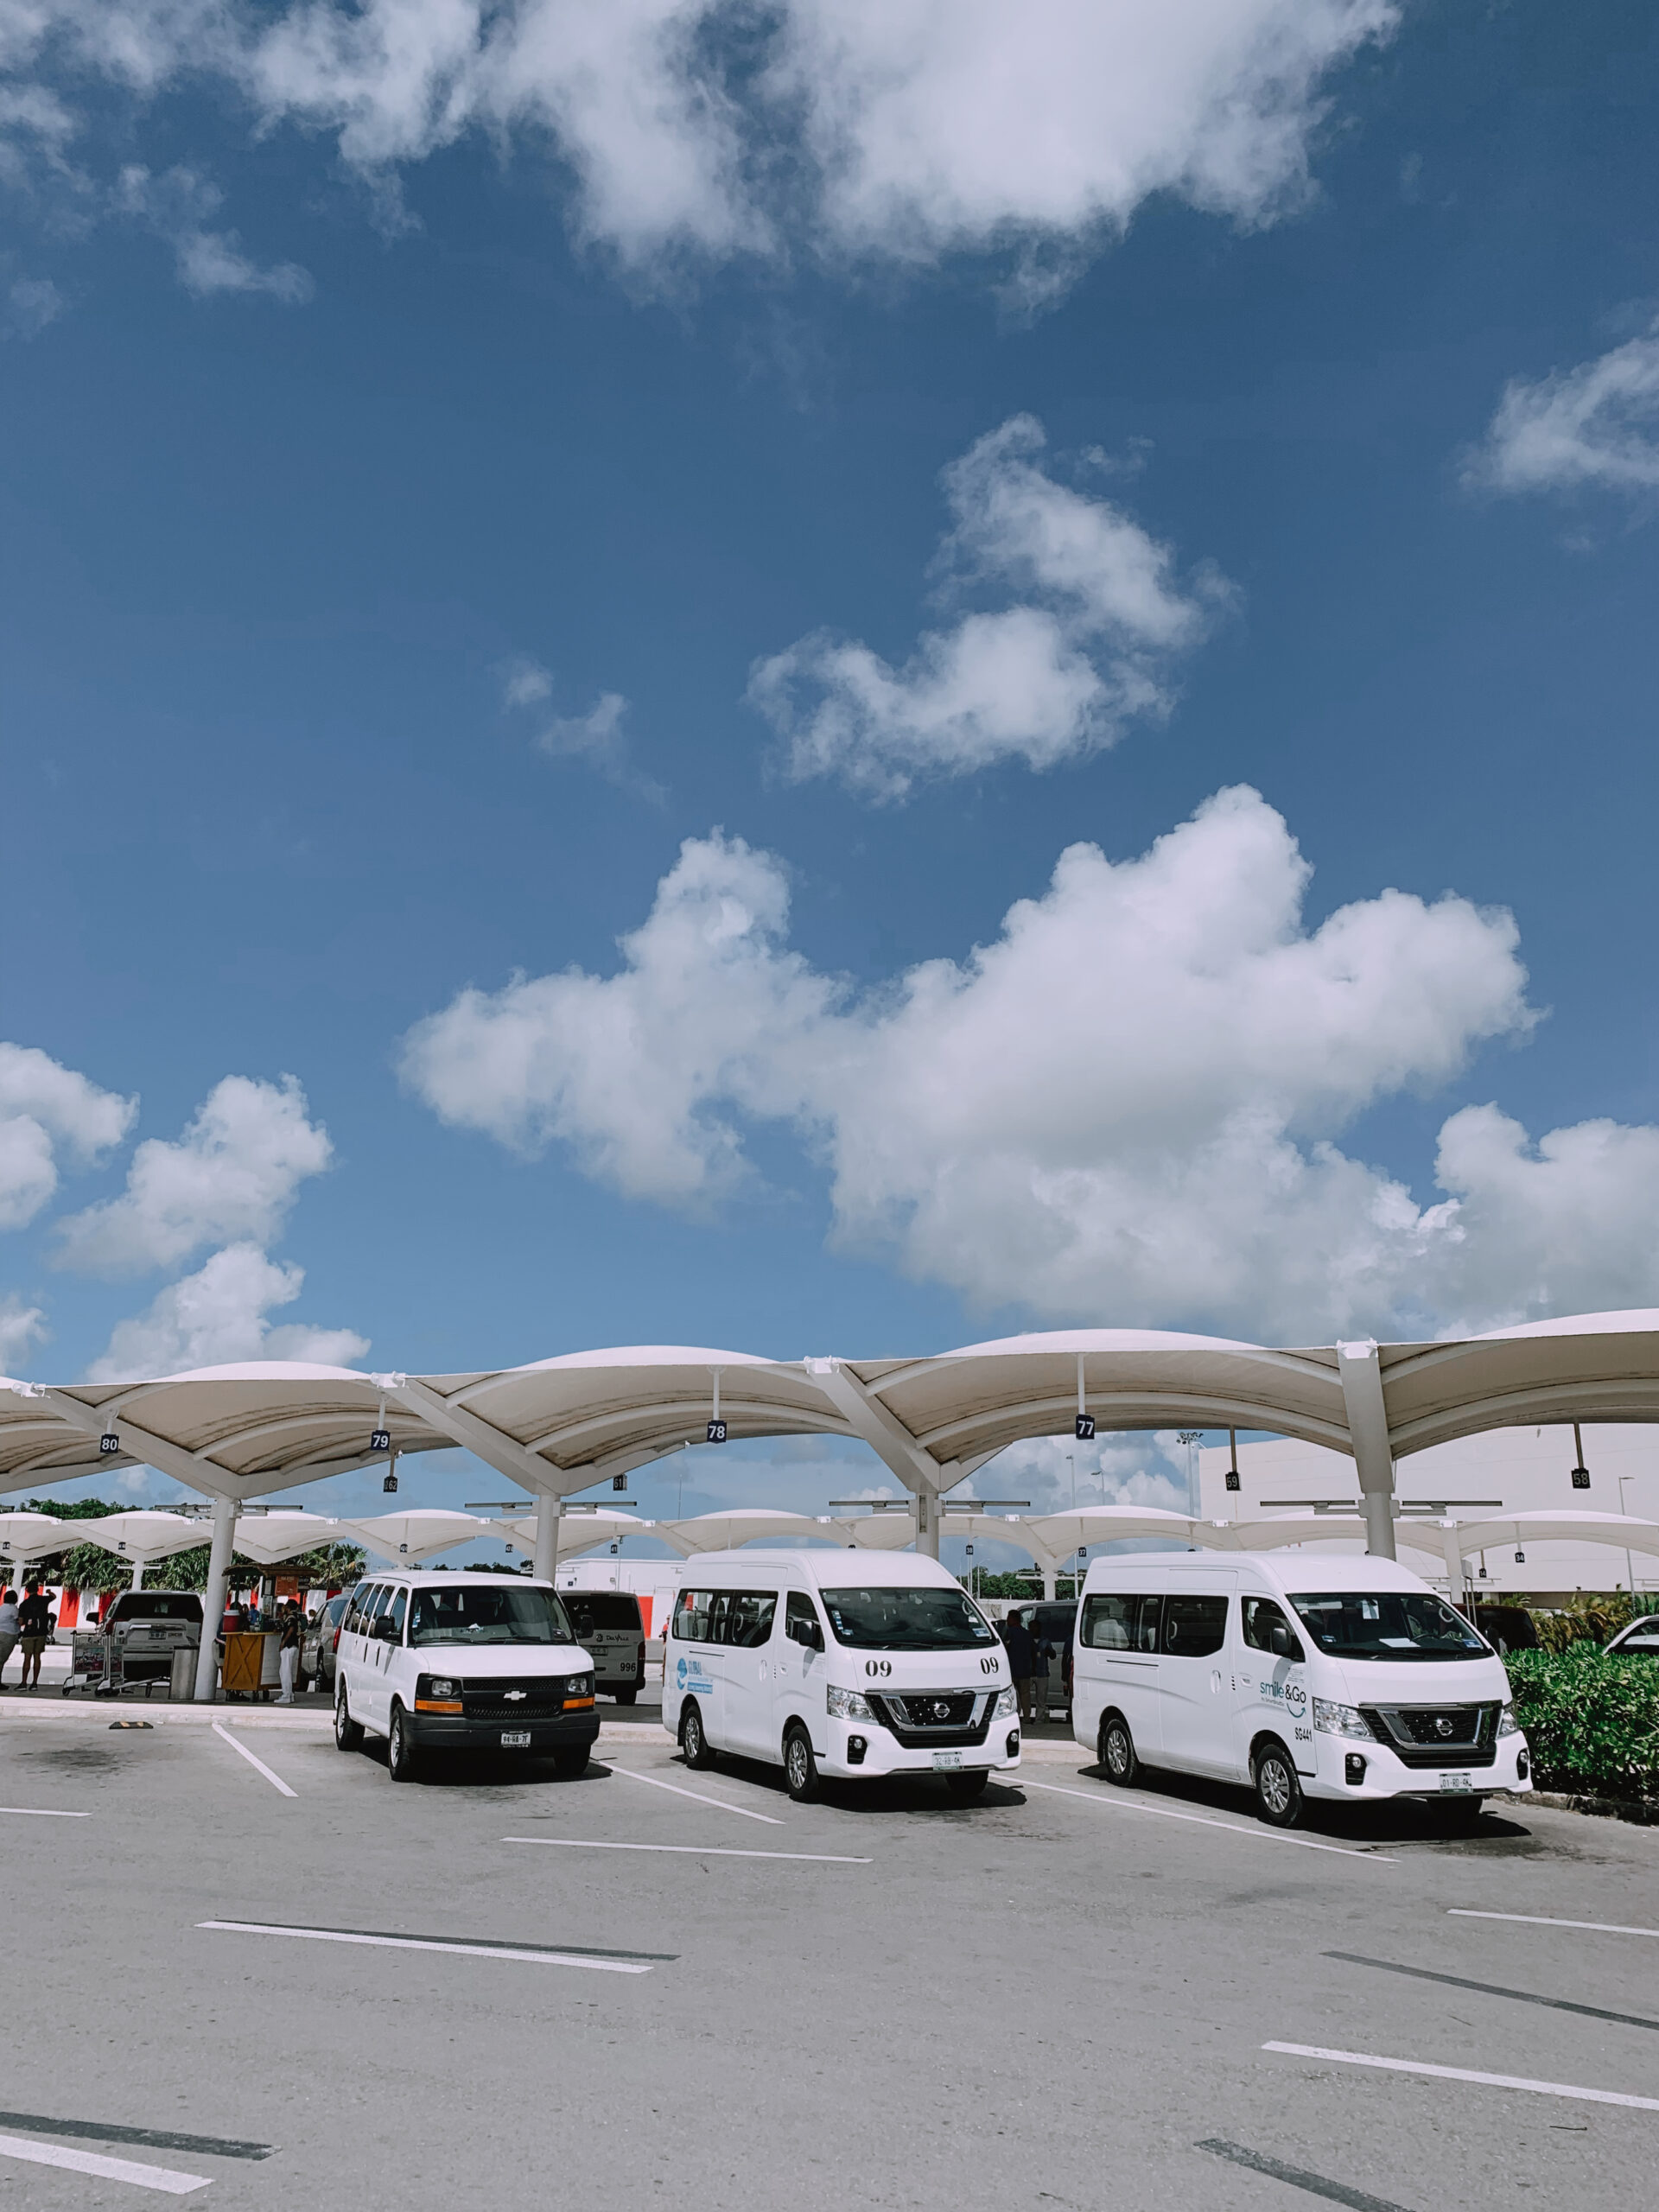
[[838, 1663], [1305, 1676], [462, 1663]]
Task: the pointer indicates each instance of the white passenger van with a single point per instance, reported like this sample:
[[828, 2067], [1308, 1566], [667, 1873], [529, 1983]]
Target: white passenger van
[[838, 1663], [1305, 1676], [462, 1663]]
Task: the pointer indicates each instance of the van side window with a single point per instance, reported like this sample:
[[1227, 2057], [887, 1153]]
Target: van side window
[[1146, 1624], [748, 1618], [399, 1604], [1262, 1619], [691, 1615], [1193, 1626], [1108, 1621]]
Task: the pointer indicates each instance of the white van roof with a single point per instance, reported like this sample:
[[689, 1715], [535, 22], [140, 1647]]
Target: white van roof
[[821, 1568], [1286, 1571]]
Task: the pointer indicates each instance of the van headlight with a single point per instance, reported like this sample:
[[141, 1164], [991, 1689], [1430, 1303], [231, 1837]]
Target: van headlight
[[1507, 1722], [1333, 1720], [1007, 1704], [847, 1705], [579, 1686]]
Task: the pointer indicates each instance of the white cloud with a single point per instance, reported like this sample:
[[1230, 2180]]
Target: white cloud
[[1124, 1110], [48, 1111], [1595, 425], [179, 207], [855, 129], [1090, 647], [1136, 1469], [21, 1327], [526, 683], [32, 303], [233, 1174], [598, 739], [217, 1315]]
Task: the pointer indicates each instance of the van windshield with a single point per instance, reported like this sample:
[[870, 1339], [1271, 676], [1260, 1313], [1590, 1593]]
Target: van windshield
[[1388, 1624], [923, 1619], [488, 1615]]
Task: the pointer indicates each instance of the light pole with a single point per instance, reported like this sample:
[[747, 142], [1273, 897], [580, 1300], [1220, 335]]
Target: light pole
[[1630, 1571], [1190, 1438]]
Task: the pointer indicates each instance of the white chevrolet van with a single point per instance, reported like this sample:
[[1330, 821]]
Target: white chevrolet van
[[462, 1663], [1304, 1676], [838, 1663]]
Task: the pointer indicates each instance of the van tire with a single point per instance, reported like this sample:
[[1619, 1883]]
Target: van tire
[[966, 1787], [1278, 1792], [569, 1765], [800, 1768], [1118, 1761], [694, 1738], [348, 1733], [626, 1697], [401, 1758]]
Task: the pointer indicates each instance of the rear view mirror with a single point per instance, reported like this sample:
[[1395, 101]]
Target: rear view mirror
[[386, 1629], [808, 1634], [1279, 1637]]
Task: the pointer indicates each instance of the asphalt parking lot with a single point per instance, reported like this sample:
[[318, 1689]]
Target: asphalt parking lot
[[676, 1989]]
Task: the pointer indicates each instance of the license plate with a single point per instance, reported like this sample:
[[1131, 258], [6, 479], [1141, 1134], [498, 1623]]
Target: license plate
[[515, 1739], [1450, 1784], [946, 1761]]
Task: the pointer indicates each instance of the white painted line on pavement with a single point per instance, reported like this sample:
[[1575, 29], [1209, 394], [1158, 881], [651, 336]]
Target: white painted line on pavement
[[1465, 2074], [1538, 1920], [1168, 1812], [628, 1775], [41, 1813], [533, 1955], [275, 1780], [692, 1850], [89, 2162]]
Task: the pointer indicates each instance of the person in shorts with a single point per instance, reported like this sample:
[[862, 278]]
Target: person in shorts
[[10, 1627], [35, 1622]]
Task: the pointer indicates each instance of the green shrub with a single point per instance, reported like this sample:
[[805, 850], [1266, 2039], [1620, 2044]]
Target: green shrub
[[1592, 1722]]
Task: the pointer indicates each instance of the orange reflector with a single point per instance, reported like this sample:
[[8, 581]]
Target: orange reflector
[[577, 1704], [437, 1705]]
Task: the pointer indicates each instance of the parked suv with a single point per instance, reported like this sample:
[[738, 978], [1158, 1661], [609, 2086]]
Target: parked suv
[[317, 1645], [462, 1663]]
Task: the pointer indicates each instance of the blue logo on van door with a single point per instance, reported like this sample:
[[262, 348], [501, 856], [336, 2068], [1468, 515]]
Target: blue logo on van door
[[692, 1668]]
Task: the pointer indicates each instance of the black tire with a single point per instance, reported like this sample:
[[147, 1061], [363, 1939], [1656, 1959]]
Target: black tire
[[1277, 1792], [626, 1697], [964, 1787], [1118, 1761], [401, 1756], [348, 1733], [694, 1740], [800, 1768], [569, 1765]]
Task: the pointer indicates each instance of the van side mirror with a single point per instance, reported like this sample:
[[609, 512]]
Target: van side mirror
[[386, 1629], [807, 1634], [1279, 1637]]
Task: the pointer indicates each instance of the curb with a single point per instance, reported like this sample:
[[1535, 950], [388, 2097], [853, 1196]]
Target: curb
[[1642, 1813]]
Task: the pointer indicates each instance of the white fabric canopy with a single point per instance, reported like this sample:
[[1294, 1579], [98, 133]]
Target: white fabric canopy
[[404, 1539]]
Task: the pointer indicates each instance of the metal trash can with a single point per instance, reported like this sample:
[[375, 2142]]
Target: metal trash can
[[182, 1689]]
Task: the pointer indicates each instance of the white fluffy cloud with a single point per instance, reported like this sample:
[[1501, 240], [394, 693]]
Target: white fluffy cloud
[[180, 207], [217, 1315], [855, 127], [21, 1327], [1099, 620], [598, 739], [49, 1114], [1596, 425], [1139, 1470], [1125, 1108], [233, 1174]]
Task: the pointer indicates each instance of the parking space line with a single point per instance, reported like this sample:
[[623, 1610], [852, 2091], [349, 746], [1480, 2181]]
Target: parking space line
[[691, 1850], [1203, 1820], [275, 1780], [743, 1812], [1464, 2074], [148, 2138], [1492, 1989], [88, 2162], [41, 1813], [541, 1954], [1335, 2192], [1540, 1920]]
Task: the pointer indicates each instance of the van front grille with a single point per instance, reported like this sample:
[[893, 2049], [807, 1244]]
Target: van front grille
[[1436, 1735], [535, 1698], [938, 1718]]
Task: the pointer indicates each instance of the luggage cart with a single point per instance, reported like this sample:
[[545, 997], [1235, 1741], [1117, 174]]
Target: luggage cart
[[107, 1664], [89, 1662]]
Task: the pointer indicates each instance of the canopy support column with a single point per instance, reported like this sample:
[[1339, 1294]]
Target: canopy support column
[[927, 1523], [213, 1598], [1361, 1373], [893, 1444], [548, 1509], [137, 1574], [1454, 1551]]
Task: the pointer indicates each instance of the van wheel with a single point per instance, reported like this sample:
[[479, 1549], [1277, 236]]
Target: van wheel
[[1117, 1757], [402, 1756], [693, 1741], [1278, 1792], [966, 1786], [569, 1765], [626, 1697], [800, 1768], [348, 1733]]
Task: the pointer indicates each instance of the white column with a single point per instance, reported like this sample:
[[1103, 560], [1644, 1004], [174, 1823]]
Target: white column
[[1453, 1561], [1360, 1376], [927, 1523], [548, 1511], [213, 1598], [137, 1574]]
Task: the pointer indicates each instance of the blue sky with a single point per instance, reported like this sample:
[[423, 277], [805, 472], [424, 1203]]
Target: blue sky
[[420, 518]]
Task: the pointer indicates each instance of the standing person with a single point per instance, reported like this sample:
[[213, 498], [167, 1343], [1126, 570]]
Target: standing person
[[10, 1629], [1042, 1654], [1022, 1657], [34, 1623], [288, 1656]]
